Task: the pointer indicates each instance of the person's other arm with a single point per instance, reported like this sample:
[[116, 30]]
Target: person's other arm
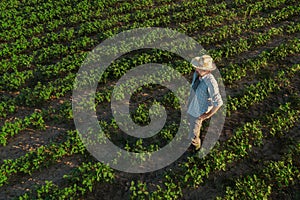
[[213, 91]]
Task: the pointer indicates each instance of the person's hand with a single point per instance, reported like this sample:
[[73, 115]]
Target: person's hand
[[208, 114], [204, 116]]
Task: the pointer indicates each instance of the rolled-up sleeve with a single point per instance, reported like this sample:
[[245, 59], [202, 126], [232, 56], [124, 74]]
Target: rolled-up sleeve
[[213, 91]]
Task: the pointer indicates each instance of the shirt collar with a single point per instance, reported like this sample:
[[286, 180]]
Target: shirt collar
[[202, 77]]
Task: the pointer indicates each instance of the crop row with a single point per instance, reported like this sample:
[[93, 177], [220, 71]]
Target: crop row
[[41, 93], [235, 72], [237, 147], [66, 146], [41, 56], [41, 157], [24, 60], [194, 170], [119, 68], [281, 111], [274, 176], [44, 156], [15, 80], [45, 12], [285, 112], [81, 181], [126, 7], [65, 34], [258, 92], [96, 25], [63, 16], [253, 8], [234, 48], [20, 77], [46, 93], [9, 129], [235, 29]]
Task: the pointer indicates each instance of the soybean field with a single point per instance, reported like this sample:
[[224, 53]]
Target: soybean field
[[255, 46]]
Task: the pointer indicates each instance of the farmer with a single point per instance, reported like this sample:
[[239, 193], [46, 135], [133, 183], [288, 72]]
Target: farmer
[[204, 99]]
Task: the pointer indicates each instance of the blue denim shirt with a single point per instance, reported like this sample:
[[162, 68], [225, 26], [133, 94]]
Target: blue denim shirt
[[206, 95]]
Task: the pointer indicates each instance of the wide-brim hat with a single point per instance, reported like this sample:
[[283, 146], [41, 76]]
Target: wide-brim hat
[[204, 62]]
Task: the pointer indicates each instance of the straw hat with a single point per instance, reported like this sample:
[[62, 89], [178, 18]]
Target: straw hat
[[204, 62]]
